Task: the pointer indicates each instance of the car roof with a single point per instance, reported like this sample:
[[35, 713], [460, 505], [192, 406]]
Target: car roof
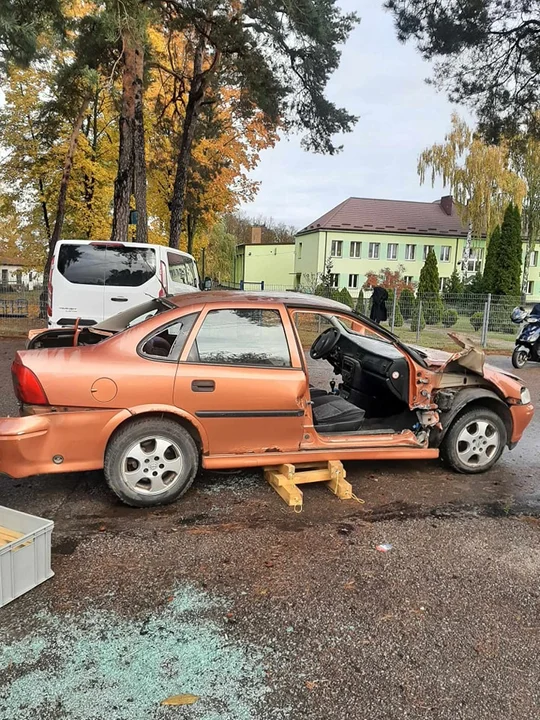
[[290, 299]]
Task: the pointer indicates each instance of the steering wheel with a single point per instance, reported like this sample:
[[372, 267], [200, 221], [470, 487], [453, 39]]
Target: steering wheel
[[325, 343]]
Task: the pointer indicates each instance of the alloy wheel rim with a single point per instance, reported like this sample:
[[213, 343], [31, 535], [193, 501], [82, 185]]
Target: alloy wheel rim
[[477, 443], [151, 466]]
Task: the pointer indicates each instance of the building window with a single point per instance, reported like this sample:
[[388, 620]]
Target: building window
[[408, 279], [337, 247], [441, 284], [353, 281], [534, 258], [475, 260], [300, 251], [427, 248], [530, 287], [391, 251], [445, 253], [334, 280], [356, 250], [374, 251], [410, 252]]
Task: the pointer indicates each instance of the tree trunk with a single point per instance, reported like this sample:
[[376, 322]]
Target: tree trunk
[[195, 98], [64, 183], [124, 177], [191, 225], [139, 155]]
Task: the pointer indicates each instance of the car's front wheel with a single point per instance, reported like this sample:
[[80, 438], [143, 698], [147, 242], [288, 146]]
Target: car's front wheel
[[474, 441], [150, 461]]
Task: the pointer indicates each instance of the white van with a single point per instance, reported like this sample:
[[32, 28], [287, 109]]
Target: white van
[[93, 280]]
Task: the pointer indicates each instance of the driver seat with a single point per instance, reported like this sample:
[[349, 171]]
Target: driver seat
[[334, 414]]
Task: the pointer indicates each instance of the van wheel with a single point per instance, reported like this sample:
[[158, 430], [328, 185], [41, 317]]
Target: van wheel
[[151, 461], [475, 441]]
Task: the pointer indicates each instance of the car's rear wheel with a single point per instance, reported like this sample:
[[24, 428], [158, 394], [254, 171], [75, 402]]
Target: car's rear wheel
[[475, 441], [150, 461]]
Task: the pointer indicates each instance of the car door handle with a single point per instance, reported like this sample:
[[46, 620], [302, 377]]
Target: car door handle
[[203, 386], [119, 299]]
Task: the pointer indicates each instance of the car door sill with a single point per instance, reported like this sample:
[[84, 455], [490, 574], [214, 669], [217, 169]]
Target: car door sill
[[398, 452]]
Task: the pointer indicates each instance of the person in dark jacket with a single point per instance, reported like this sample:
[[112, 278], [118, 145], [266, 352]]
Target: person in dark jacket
[[378, 304]]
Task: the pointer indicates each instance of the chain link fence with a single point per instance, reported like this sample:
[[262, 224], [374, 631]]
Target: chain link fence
[[426, 320], [21, 310]]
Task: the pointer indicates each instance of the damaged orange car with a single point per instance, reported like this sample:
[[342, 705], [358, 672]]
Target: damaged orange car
[[222, 380]]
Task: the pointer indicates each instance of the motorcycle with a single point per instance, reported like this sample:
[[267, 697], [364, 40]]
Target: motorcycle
[[528, 340]]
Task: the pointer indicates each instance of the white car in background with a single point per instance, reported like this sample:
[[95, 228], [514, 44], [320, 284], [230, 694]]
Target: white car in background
[[90, 281]]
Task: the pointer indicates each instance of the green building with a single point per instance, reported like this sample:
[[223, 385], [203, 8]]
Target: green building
[[268, 263], [363, 235]]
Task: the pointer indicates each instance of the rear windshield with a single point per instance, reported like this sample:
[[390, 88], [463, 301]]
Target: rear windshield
[[182, 269], [106, 265]]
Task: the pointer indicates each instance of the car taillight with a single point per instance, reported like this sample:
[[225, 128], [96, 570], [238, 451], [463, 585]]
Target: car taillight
[[163, 278], [50, 290], [26, 385]]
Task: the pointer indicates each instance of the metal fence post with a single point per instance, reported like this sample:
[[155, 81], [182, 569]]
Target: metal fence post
[[483, 334], [418, 321], [394, 311], [487, 313]]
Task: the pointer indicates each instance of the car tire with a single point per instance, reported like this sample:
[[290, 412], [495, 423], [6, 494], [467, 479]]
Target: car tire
[[151, 461], [474, 441]]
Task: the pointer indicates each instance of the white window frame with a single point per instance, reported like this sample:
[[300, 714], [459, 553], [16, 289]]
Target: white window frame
[[408, 279], [395, 246], [448, 253], [475, 260], [357, 246], [374, 251], [427, 248], [299, 250], [334, 280], [353, 285], [441, 284], [534, 258], [530, 287], [336, 245], [410, 252]]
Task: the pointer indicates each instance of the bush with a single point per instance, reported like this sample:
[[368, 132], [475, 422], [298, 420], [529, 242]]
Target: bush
[[433, 309], [449, 317], [414, 321], [406, 303], [476, 320], [345, 297]]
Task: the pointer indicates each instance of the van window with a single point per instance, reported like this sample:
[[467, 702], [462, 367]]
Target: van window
[[106, 265], [181, 269]]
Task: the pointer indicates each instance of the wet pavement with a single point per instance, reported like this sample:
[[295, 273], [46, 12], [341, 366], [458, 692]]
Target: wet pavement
[[265, 613]]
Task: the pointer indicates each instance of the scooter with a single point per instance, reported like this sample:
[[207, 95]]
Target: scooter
[[528, 340]]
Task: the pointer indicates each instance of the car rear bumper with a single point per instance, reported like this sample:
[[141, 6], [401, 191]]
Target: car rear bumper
[[521, 417], [56, 441]]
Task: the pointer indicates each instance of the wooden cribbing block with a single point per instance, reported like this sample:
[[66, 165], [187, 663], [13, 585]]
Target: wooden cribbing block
[[286, 478]]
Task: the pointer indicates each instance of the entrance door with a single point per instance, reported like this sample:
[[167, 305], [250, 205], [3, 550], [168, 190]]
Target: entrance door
[[243, 382]]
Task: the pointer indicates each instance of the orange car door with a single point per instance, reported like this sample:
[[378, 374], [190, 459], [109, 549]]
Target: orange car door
[[241, 376]]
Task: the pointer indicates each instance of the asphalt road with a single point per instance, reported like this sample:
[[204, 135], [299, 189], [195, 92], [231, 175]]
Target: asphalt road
[[264, 613]]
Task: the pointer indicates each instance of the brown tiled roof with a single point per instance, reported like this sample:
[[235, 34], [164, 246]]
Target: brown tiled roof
[[392, 216], [12, 261]]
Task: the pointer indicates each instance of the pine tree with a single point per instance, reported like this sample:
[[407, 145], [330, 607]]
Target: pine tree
[[507, 276], [454, 285], [492, 260], [344, 296], [360, 302], [428, 290]]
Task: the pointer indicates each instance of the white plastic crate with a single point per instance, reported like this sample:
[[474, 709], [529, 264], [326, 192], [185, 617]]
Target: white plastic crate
[[25, 561]]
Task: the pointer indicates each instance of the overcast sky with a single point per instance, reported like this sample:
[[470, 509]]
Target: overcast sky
[[383, 82]]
